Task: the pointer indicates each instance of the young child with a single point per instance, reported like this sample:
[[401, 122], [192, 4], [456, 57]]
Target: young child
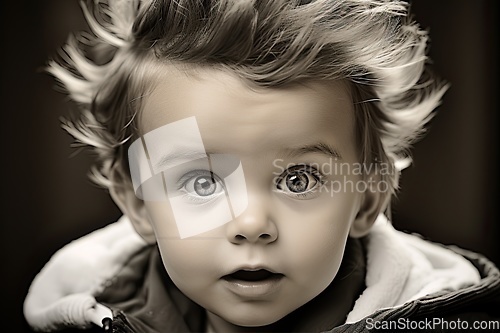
[[253, 148]]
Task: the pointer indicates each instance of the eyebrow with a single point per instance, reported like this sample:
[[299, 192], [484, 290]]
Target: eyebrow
[[179, 157], [187, 155], [319, 147]]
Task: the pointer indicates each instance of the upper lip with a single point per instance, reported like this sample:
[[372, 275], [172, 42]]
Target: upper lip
[[253, 268]]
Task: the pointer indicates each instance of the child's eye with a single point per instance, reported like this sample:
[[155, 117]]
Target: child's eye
[[201, 183], [299, 181], [204, 186]]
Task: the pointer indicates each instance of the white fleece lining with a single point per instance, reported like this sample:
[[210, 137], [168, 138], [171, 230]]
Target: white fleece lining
[[63, 293], [403, 267]]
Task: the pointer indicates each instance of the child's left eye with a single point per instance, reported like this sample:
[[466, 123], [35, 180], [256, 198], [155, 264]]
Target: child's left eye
[[299, 181]]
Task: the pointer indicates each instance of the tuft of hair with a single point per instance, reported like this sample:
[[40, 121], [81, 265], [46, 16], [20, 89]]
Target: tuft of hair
[[374, 44]]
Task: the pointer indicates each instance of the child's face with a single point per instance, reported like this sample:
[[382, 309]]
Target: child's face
[[292, 226]]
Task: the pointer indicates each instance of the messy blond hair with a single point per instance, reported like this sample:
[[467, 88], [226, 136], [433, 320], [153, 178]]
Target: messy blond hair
[[373, 44]]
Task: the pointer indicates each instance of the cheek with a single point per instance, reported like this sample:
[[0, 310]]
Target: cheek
[[181, 257], [315, 236], [190, 268], [317, 253], [163, 220]]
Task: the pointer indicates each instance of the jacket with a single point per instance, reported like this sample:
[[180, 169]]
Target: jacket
[[111, 280]]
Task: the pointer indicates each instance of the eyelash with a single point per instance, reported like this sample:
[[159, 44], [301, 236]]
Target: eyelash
[[318, 176], [182, 182]]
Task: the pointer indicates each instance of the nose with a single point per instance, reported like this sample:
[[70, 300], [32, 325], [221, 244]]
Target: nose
[[254, 225]]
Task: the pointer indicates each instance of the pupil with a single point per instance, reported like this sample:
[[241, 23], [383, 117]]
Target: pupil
[[204, 186], [297, 182]]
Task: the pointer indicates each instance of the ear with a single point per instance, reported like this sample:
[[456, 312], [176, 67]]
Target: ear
[[372, 203], [134, 208]]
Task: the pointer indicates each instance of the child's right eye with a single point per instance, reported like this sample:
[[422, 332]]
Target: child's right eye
[[201, 185]]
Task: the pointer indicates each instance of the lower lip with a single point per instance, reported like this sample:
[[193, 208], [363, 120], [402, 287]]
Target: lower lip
[[254, 289]]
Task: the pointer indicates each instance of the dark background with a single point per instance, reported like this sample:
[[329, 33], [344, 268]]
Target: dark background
[[448, 194]]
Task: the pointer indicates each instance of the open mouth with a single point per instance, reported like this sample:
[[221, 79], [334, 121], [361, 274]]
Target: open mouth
[[252, 276], [253, 283]]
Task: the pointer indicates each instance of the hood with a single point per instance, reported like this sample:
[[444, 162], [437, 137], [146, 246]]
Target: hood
[[400, 268]]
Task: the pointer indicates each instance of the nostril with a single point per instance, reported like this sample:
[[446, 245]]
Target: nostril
[[265, 236], [239, 237]]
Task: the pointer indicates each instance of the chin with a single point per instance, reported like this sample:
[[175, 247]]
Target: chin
[[254, 320]]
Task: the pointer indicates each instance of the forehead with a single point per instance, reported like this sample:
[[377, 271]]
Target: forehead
[[235, 117]]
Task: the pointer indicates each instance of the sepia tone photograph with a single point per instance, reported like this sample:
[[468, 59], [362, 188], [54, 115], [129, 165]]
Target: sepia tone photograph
[[250, 166]]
